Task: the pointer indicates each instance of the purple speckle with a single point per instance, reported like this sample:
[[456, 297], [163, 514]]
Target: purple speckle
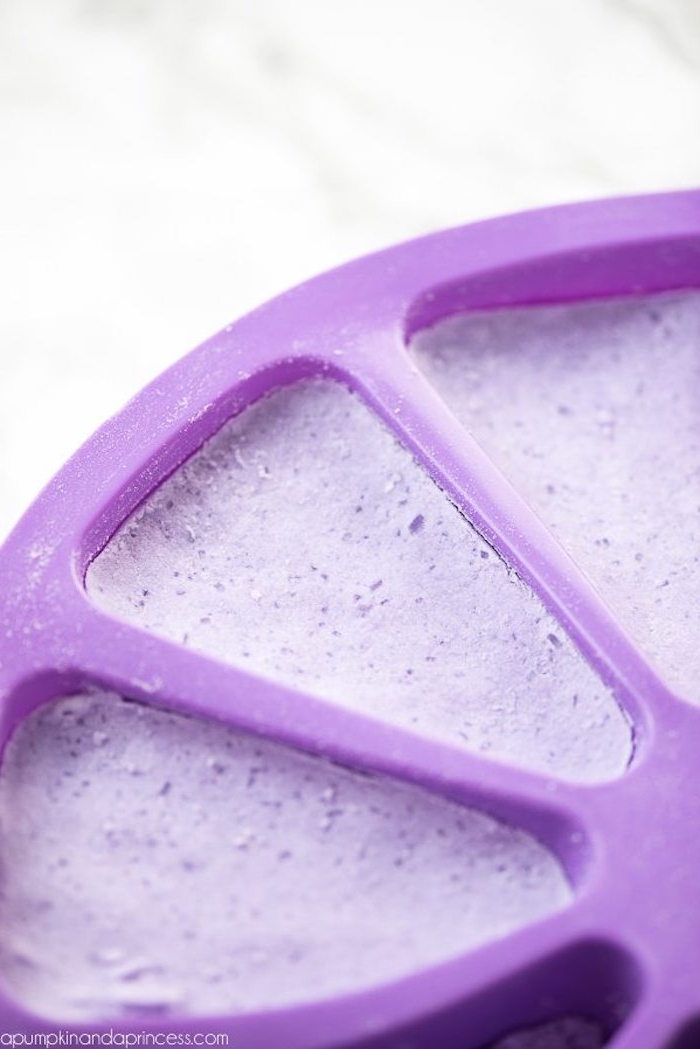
[[416, 524]]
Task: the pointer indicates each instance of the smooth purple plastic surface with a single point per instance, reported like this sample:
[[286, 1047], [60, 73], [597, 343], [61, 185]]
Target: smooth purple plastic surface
[[627, 951]]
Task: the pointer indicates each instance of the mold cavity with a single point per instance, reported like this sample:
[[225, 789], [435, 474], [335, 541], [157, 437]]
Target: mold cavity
[[304, 543], [592, 411], [156, 864], [567, 1033]]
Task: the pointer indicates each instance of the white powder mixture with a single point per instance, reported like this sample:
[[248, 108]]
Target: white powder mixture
[[592, 411], [157, 864], [304, 543]]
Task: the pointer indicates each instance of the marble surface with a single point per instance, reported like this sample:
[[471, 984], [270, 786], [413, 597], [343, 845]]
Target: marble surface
[[168, 165]]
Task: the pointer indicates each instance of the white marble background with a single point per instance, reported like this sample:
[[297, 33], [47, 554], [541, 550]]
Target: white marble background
[[168, 164]]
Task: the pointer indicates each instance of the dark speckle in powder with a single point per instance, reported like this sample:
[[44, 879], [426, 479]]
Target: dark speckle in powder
[[416, 524]]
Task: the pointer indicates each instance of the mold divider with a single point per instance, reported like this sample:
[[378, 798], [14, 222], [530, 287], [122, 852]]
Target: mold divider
[[119, 657], [406, 402], [453, 1004]]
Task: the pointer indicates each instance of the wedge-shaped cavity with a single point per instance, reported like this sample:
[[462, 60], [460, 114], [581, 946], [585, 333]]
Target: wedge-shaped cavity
[[305, 544], [592, 411], [154, 863], [572, 1032]]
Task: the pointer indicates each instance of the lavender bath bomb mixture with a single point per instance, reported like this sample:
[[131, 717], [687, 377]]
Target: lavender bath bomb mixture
[[304, 543], [154, 864]]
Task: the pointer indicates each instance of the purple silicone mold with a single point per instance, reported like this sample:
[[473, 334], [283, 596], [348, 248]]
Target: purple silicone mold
[[625, 951]]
